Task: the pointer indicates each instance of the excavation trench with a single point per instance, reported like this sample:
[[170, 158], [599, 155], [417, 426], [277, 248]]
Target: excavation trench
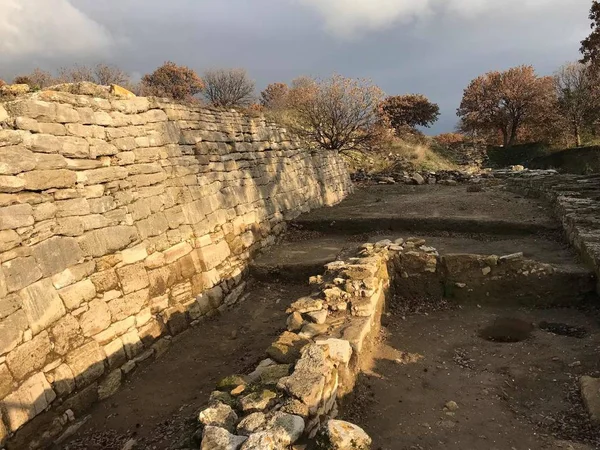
[[431, 376]]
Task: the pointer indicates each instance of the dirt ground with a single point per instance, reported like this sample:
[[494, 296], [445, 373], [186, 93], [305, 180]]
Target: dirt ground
[[508, 396], [434, 201], [158, 403]]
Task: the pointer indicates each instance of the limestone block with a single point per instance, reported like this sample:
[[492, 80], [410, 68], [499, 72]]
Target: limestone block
[[49, 161], [87, 363], [96, 319], [6, 381], [11, 331], [77, 293], [132, 344], [9, 305], [178, 251], [340, 435], [134, 254], [215, 438], [62, 380], [102, 175], [44, 143], [286, 349], [16, 216], [29, 356], [42, 305], [72, 207], [74, 147], [66, 335], [39, 180], [19, 273], [100, 148], [115, 354], [10, 184], [110, 240], [16, 159], [133, 277], [130, 305], [54, 255], [110, 385], [214, 254], [31, 399]]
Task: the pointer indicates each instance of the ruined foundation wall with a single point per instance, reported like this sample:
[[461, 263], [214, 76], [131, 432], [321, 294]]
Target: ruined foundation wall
[[122, 222]]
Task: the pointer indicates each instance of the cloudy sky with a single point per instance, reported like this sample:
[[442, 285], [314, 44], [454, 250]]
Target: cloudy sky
[[434, 47]]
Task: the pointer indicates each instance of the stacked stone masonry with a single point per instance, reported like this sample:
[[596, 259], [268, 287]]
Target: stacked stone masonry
[[293, 395], [575, 202], [122, 223]]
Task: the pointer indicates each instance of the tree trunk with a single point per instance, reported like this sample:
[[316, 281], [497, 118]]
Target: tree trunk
[[505, 137], [577, 134], [513, 133]]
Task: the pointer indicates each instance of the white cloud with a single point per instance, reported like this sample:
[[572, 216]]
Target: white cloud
[[347, 18], [49, 28]]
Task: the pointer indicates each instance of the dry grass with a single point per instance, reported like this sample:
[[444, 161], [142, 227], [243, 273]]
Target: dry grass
[[400, 154]]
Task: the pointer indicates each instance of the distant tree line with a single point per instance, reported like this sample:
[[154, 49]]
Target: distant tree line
[[339, 113]]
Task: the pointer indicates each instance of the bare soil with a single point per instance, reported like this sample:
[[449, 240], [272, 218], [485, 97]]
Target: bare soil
[[519, 395], [157, 405], [434, 201]]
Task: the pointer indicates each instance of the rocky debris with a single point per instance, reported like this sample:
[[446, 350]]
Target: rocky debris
[[295, 322], [219, 415], [215, 438], [286, 349], [252, 423], [257, 401], [231, 382], [590, 392], [306, 305], [340, 435], [292, 426], [444, 177], [266, 440]]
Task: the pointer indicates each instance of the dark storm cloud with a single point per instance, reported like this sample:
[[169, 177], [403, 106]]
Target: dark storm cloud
[[425, 46]]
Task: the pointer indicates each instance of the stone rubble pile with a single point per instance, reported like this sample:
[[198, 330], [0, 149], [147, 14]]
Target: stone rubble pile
[[123, 221], [293, 394], [443, 177]]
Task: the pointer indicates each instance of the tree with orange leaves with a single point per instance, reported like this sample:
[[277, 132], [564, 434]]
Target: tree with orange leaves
[[503, 102]]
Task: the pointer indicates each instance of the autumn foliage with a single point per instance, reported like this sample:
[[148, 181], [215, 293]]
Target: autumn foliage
[[503, 103], [171, 80], [275, 96], [409, 111]]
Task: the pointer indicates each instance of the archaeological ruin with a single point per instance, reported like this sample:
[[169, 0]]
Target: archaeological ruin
[[176, 277]]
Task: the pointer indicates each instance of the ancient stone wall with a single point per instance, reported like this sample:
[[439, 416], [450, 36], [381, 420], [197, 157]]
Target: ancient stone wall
[[123, 222]]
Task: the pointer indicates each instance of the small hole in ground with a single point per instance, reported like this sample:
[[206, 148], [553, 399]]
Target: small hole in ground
[[507, 329]]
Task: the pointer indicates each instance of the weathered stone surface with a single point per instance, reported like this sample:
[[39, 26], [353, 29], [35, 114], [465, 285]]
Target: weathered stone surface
[[42, 305], [16, 216], [73, 274], [291, 426], [66, 334], [11, 331], [339, 350], [108, 240], [6, 381], [214, 254], [219, 415], [266, 440], [29, 356], [20, 273], [590, 392], [215, 438], [124, 307], [32, 397], [340, 435], [110, 385], [96, 319], [133, 278], [9, 305], [16, 159], [251, 424], [286, 349], [40, 180], [305, 305], [87, 363], [56, 254], [295, 322], [62, 380], [257, 401]]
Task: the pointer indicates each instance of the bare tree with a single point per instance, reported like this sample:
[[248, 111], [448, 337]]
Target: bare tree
[[576, 102], [103, 74], [228, 88], [38, 79], [106, 74], [336, 114]]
